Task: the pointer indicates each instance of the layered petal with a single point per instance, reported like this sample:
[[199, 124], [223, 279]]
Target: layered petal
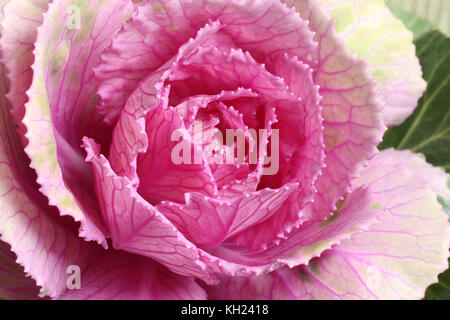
[[436, 177], [207, 69], [61, 100], [154, 34], [42, 243], [207, 221], [298, 121], [129, 137], [207, 124], [138, 227], [162, 179], [371, 31], [44, 246], [303, 164], [299, 247], [351, 110], [396, 259], [311, 239], [191, 105], [116, 275], [353, 127], [19, 30], [229, 223], [150, 93]]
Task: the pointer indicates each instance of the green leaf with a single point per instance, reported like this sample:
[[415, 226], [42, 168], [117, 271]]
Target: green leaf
[[441, 290], [436, 12], [413, 22], [445, 204], [427, 131]]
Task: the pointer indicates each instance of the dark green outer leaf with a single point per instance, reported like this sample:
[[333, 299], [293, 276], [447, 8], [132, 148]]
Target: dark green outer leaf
[[427, 131], [441, 290]]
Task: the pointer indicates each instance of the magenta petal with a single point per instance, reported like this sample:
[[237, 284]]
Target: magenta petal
[[397, 258], [289, 217], [353, 125], [142, 139], [299, 121], [44, 246], [159, 177], [208, 221], [44, 243], [311, 238], [191, 105], [155, 33], [224, 173], [264, 28], [189, 108], [298, 76], [238, 69], [129, 136], [305, 160], [144, 45], [136, 98], [126, 212], [357, 214], [115, 275], [138, 227], [62, 98], [231, 176]]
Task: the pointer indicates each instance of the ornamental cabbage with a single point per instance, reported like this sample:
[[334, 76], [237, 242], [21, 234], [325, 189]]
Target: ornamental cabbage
[[102, 167]]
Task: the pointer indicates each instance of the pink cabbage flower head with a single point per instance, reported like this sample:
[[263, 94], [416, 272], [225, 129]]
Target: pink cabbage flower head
[[118, 155]]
